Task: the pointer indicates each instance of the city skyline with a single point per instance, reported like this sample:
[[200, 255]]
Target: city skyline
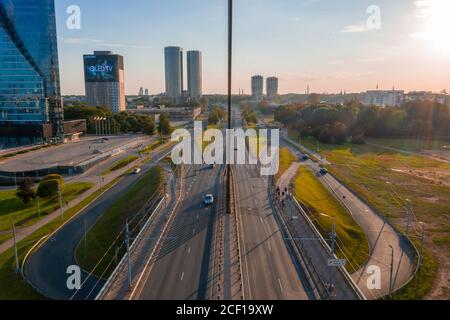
[[310, 45]]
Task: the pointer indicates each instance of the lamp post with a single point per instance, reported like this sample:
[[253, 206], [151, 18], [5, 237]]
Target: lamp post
[[230, 62]]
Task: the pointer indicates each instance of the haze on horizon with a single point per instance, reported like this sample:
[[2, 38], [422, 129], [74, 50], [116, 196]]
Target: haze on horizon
[[322, 43]]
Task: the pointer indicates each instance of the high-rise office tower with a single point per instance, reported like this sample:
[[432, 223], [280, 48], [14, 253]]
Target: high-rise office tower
[[30, 98], [104, 76], [194, 74], [272, 87], [146, 92], [141, 91], [257, 87], [174, 72]]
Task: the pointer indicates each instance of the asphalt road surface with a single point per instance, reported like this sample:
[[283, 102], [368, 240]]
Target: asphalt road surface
[[181, 269]]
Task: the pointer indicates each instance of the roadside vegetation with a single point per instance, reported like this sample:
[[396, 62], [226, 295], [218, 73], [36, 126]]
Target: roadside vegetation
[[14, 209], [108, 232], [387, 180], [287, 158], [121, 164], [324, 210], [17, 287]]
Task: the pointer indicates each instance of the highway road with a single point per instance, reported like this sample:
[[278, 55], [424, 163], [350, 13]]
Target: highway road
[[270, 270], [46, 268], [182, 267]]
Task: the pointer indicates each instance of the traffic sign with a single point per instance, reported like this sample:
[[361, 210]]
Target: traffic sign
[[337, 262]]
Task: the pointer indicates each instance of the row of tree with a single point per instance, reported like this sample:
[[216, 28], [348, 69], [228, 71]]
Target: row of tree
[[122, 122], [334, 123]]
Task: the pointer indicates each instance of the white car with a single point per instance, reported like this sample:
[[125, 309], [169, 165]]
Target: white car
[[208, 199], [137, 171]]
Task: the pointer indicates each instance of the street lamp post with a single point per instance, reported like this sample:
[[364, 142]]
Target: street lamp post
[[391, 271], [230, 62], [16, 256]]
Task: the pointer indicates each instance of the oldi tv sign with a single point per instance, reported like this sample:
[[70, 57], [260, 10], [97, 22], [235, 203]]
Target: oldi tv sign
[[101, 68]]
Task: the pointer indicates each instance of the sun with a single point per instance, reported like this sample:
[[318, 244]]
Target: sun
[[437, 23]]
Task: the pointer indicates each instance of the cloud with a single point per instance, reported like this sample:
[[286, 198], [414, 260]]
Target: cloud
[[354, 29]]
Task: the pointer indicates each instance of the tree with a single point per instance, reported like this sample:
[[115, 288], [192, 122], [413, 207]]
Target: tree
[[204, 103], [25, 191], [339, 133], [50, 186], [164, 127]]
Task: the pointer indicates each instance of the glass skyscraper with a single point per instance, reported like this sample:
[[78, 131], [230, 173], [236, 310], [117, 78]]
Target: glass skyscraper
[[30, 98]]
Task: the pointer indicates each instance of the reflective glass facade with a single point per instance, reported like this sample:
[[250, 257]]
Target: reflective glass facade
[[29, 72]]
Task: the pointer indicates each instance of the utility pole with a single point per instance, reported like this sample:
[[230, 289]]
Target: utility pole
[[39, 206], [333, 236], [60, 202], [422, 243], [230, 61], [408, 216], [85, 237], [16, 256], [127, 241], [391, 271]]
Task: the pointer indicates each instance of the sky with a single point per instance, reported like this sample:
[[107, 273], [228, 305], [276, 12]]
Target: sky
[[332, 46]]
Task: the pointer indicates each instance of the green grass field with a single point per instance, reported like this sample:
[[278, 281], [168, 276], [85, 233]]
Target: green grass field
[[112, 223], [17, 288], [286, 160], [121, 164], [386, 179], [12, 208], [412, 145], [324, 210]]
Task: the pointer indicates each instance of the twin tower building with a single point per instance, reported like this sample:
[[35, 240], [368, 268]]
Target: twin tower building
[[174, 67], [105, 80]]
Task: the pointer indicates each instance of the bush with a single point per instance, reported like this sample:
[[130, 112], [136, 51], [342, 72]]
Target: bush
[[53, 177], [48, 187], [358, 140]]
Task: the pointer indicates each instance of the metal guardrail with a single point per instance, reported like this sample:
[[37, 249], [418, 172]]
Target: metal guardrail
[[301, 252], [124, 259], [235, 218], [345, 273]]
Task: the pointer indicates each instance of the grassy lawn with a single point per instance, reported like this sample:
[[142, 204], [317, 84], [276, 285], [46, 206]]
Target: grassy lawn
[[121, 164], [413, 145], [112, 224], [148, 149], [317, 201], [372, 172], [286, 160], [17, 288], [12, 208]]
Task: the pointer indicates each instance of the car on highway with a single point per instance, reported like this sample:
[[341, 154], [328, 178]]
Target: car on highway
[[323, 171], [208, 199], [305, 157], [137, 171]]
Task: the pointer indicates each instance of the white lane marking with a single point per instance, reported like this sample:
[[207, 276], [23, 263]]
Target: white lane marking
[[262, 222], [256, 203], [268, 244], [182, 276], [279, 283], [189, 250]]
